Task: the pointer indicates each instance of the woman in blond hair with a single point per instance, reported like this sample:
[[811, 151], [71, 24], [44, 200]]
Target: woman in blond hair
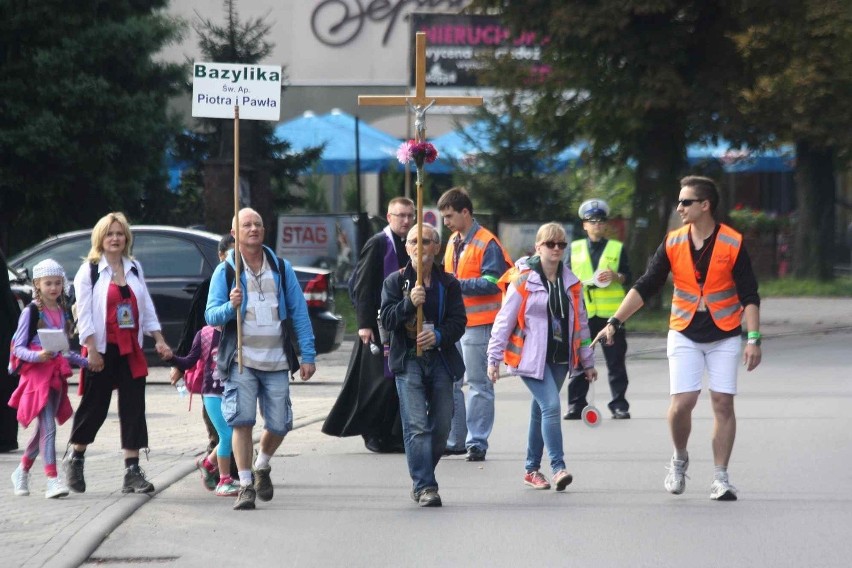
[[542, 334], [114, 311]]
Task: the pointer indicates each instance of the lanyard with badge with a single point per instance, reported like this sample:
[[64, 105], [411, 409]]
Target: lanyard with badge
[[124, 310], [263, 307]]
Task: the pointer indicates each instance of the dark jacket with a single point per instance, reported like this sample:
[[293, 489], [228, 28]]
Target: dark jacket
[[397, 309]]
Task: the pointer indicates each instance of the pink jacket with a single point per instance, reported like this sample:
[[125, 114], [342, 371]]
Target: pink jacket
[[535, 343], [37, 380]]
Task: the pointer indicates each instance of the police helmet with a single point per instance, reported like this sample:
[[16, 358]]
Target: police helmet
[[593, 209]]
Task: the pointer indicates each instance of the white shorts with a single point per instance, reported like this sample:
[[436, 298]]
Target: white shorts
[[688, 359]]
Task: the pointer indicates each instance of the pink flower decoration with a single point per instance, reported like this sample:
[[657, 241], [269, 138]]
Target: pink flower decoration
[[419, 152]]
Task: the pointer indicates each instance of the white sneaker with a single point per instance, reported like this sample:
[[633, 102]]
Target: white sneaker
[[676, 479], [55, 488], [21, 482], [722, 490]]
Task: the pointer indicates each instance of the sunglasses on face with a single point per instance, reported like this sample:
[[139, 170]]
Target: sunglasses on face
[[555, 244], [688, 202], [426, 242]]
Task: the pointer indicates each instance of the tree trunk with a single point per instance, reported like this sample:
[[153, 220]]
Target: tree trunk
[[815, 193], [660, 160]]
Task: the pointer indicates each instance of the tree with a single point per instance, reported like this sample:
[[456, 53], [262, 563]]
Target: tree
[[83, 119], [639, 79], [242, 41], [510, 163], [799, 55]]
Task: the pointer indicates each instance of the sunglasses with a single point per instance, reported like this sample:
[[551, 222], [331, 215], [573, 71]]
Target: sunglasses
[[554, 244], [426, 242], [688, 202]]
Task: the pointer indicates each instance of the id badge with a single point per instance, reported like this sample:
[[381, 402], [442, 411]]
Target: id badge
[[263, 313], [124, 315], [556, 327]]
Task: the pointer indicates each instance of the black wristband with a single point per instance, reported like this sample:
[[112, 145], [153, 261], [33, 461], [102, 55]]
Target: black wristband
[[615, 322]]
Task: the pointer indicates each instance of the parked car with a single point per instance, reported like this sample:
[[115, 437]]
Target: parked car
[[175, 262], [21, 289]]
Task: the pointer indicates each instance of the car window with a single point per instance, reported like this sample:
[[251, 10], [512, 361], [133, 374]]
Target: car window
[[163, 256], [70, 254]]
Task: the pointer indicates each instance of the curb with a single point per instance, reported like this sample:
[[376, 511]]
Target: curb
[[79, 544]]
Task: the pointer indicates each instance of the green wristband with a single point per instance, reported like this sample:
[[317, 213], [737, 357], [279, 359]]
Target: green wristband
[[754, 335]]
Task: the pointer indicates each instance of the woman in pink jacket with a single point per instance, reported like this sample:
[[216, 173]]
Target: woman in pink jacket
[[542, 334]]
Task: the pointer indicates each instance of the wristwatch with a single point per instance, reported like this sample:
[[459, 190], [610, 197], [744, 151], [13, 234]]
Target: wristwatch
[[615, 322]]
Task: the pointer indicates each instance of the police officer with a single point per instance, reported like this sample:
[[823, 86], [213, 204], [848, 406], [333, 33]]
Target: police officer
[[601, 265]]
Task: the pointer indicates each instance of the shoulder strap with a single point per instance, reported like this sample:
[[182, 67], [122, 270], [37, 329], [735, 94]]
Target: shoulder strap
[[33, 327]]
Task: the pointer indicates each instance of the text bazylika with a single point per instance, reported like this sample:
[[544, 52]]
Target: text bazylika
[[247, 73]]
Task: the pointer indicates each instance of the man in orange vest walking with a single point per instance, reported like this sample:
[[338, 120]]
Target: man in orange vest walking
[[715, 291], [478, 260]]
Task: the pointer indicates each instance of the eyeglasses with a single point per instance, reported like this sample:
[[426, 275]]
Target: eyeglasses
[[426, 242], [403, 215], [688, 202], [553, 244]]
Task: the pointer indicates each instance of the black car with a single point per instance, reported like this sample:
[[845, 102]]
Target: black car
[[176, 261], [21, 289]]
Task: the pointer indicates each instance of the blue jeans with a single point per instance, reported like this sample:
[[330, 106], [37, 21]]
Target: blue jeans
[[545, 418], [478, 418], [425, 391]]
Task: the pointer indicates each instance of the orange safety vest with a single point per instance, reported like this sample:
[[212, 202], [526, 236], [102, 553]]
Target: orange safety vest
[[719, 290], [481, 310], [512, 353]]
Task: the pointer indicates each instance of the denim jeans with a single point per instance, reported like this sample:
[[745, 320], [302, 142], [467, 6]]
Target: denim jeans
[[425, 391], [478, 419], [545, 420], [270, 389]]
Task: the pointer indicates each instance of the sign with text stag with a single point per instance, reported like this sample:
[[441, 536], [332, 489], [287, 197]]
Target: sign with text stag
[[219, 87]]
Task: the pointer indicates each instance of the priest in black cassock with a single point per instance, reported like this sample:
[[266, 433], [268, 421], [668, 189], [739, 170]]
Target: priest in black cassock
[[368, 404]]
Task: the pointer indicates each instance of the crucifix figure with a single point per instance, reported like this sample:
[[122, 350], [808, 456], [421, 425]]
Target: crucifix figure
[[419, 104]]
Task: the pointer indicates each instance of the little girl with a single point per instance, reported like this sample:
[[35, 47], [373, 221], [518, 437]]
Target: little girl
[[205, 346], [43, 389]]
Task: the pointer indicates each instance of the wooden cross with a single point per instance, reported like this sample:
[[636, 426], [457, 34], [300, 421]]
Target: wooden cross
[[419, 103]]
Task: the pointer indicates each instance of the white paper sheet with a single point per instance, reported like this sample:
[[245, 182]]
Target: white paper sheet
[[53, 340]]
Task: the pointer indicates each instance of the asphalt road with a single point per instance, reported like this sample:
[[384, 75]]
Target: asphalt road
[[338, 505]]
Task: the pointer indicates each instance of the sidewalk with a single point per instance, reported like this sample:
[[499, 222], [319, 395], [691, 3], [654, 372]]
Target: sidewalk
[[42, 532]]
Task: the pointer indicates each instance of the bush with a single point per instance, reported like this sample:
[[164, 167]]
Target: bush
[[748, 220]]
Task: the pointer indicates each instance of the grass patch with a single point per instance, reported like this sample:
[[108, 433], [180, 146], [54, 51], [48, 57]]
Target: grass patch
[[343, 306], [797, 287]]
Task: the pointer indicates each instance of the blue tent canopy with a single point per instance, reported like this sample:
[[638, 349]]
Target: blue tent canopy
[[337, 131], [454, 147], [744, 160]]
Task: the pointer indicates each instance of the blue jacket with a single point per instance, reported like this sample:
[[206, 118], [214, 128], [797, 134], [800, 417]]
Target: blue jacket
[[291, 304], [397, 309]]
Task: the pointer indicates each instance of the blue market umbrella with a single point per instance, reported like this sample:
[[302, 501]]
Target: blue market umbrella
[[337, 131], [744, 160], [455, 148]]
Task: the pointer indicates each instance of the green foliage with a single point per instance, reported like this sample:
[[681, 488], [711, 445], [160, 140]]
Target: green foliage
[[350, 193], [315, 194], [83, 114], [393, 180], [615, 185], [507, 166], [243, 41], [747, 220]]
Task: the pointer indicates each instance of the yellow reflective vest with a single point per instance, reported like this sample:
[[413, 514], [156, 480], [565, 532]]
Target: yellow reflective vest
[[600, 302]]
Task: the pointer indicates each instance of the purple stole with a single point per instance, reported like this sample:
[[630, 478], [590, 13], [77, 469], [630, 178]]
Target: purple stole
[[390, 265]]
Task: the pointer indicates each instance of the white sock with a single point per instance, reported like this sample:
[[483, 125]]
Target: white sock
[[681, 455], [720, 472], [262, 460], [245, 477]]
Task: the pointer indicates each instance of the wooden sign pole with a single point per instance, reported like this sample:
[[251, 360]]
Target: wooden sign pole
[[237, 255]]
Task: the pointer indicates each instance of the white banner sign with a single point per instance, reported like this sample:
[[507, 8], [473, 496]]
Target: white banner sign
[[219, 87]]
